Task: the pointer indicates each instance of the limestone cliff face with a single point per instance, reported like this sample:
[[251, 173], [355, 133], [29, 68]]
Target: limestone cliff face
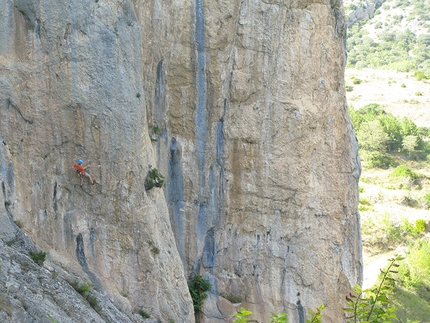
[[71, 72], [255, 140], [240, 104]]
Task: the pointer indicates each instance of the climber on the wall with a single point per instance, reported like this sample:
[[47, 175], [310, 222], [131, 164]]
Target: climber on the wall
[[82, 172]]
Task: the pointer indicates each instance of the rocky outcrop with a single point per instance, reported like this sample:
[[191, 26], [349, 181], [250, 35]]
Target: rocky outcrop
[[364, 11], [239, 104], [30, 293]]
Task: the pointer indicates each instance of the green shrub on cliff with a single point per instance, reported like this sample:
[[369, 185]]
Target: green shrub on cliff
[[38, 257], [153, 178], [198, 286]]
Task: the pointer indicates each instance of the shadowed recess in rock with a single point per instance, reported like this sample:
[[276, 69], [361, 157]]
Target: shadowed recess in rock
[[54, 198], [161, 134], [176, 198], [220, 143], [213, 197], [301, 312], [160, 96], [68, 228], [209, 249], [6, 203], [80, 255], [201, 122], [92, 241], [7, 174], [202, 224], [220, 161]]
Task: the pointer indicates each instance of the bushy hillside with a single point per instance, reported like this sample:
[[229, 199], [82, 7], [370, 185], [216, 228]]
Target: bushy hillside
[[392, 34], [387, 83]]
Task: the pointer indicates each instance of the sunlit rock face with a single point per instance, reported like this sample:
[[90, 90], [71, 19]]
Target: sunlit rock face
[[239, 104], [248, 118], [72, 87]]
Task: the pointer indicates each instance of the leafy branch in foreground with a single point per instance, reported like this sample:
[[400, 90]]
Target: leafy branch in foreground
[[316, 316], [369, 306], [241, 316], [374, 305], [279, 318]]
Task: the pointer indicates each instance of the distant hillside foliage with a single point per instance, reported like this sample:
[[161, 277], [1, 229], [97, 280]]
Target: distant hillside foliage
[[379, 133], [395, 36]]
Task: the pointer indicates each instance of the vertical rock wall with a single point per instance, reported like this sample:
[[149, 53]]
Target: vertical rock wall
[[71, 87], [247, 111], [240, 104]]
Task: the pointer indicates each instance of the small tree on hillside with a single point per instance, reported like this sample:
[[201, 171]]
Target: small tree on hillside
[[371, 136], [409, 143]]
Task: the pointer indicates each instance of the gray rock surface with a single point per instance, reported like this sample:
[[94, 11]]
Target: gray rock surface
[[239, 104], [364, 11], [256, 142], [70, 74]]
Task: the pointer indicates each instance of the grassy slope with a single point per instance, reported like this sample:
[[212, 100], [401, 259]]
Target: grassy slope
[[385, 88]]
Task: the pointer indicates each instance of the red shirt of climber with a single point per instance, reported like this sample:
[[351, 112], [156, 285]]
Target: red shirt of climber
[[79, 168], [82, 172]]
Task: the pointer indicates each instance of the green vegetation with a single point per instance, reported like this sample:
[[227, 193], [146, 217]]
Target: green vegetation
[[242, 317], [420, 226], [19, 223], [404, 172], [5, 306], [419, 75], [198, 286], [51, 318], [374, 305], [364, 205], [232, 298], [144, 314], [138, 95], [356, 81], [154, 249], [381, 233], [381, 134], [426, 199], [412, 295], [38, 258], [82, 288], [153, 179], [403, 51], [85, 289], [315, 316], [155, 131], [389, 300], [11, 242], [387, 141], [279, 318]]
